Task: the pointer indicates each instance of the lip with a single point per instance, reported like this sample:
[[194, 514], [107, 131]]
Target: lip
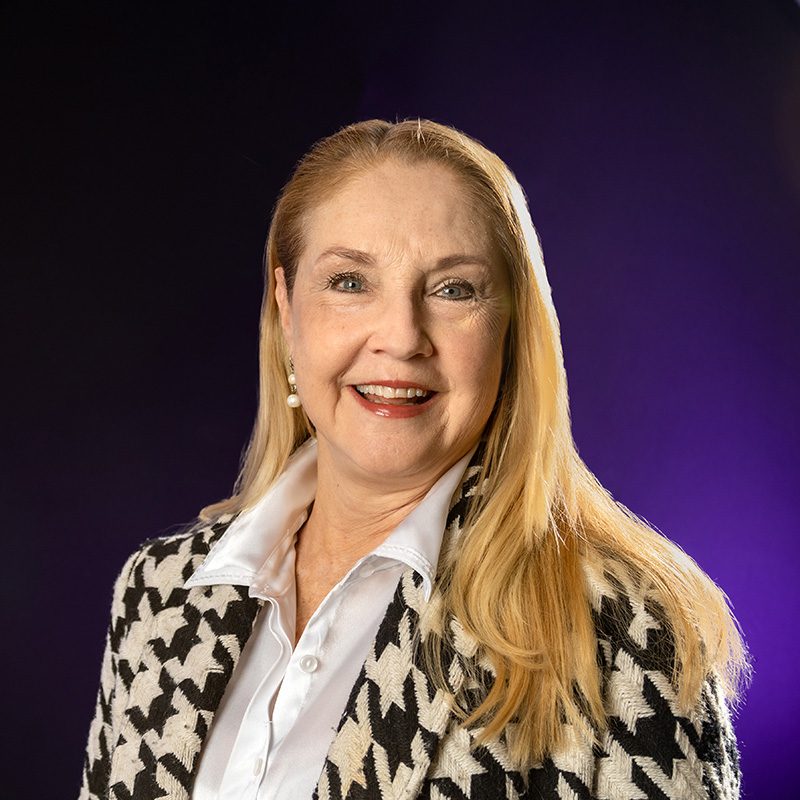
[[388, 411]]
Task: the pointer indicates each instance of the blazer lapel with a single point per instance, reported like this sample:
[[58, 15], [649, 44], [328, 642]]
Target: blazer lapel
[[394, 719], [195, 639]]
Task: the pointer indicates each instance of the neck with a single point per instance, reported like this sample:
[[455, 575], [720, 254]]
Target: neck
[[353, 515], [346, 523]]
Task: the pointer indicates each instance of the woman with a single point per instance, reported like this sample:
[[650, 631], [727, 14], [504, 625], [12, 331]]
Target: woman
[[417, 589]]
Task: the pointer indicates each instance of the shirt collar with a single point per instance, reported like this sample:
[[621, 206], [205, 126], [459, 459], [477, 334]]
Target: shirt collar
[[263, 532]]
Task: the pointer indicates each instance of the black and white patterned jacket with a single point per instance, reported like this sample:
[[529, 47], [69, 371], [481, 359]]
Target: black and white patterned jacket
[[170, 652]]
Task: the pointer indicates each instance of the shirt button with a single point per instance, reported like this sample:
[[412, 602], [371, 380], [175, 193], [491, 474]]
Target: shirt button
[[309, 663], [257, 766]]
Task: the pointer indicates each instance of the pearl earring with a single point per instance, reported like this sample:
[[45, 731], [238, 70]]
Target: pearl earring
[[293, 400]]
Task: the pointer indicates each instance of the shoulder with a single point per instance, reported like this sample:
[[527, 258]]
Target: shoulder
[[153, 575], [629, 621], [172, 555], [651, 740]]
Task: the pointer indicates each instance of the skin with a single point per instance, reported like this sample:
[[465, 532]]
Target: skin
[[402, 317]]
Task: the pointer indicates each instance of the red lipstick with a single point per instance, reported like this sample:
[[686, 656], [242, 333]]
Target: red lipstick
[[390, 410]]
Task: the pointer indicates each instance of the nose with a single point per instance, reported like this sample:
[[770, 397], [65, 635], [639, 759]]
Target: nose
[[400, 330]]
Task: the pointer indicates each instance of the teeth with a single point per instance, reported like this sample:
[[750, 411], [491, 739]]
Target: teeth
[[390, 391]]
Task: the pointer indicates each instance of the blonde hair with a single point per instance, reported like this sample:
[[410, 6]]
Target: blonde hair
[[517, 583]]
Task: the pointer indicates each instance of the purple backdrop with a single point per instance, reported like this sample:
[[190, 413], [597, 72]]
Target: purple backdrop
[[659, 146]]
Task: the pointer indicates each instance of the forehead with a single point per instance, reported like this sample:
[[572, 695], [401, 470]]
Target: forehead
[[413, 209]]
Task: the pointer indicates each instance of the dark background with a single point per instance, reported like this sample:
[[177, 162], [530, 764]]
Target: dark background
[[142, 150]]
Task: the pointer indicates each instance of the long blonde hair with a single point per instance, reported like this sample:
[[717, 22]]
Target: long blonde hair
[[517, 585]]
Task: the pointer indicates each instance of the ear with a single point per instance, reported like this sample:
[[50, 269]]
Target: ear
[[284, 306]]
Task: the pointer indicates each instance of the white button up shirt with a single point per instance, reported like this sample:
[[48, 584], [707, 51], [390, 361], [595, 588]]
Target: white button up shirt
[[279, 713]]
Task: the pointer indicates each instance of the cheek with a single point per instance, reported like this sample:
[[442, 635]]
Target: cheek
[[478, 363], [489, 356], [324, 346]]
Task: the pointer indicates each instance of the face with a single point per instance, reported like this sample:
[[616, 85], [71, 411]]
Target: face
[[396, 324]]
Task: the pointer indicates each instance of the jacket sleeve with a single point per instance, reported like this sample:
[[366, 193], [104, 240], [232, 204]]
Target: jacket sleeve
[[651, 748], [97, 760], [718, 747]]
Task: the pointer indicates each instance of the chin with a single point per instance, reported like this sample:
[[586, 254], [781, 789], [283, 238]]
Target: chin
[[402, 459], [386, 460]]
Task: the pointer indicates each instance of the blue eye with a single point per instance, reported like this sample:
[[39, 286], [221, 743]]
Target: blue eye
[[346, 282], [457, 290]]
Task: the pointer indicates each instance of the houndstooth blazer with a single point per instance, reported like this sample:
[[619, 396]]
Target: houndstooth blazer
[[170, 652]]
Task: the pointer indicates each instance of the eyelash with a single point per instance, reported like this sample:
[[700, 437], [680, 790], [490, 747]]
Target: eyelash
[[343, 276], [468, 287], [336, 279]]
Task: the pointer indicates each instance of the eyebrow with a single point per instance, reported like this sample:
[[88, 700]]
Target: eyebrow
[[360, 257]]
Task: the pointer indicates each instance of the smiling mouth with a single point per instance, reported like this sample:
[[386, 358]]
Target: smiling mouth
[[393, 396]]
